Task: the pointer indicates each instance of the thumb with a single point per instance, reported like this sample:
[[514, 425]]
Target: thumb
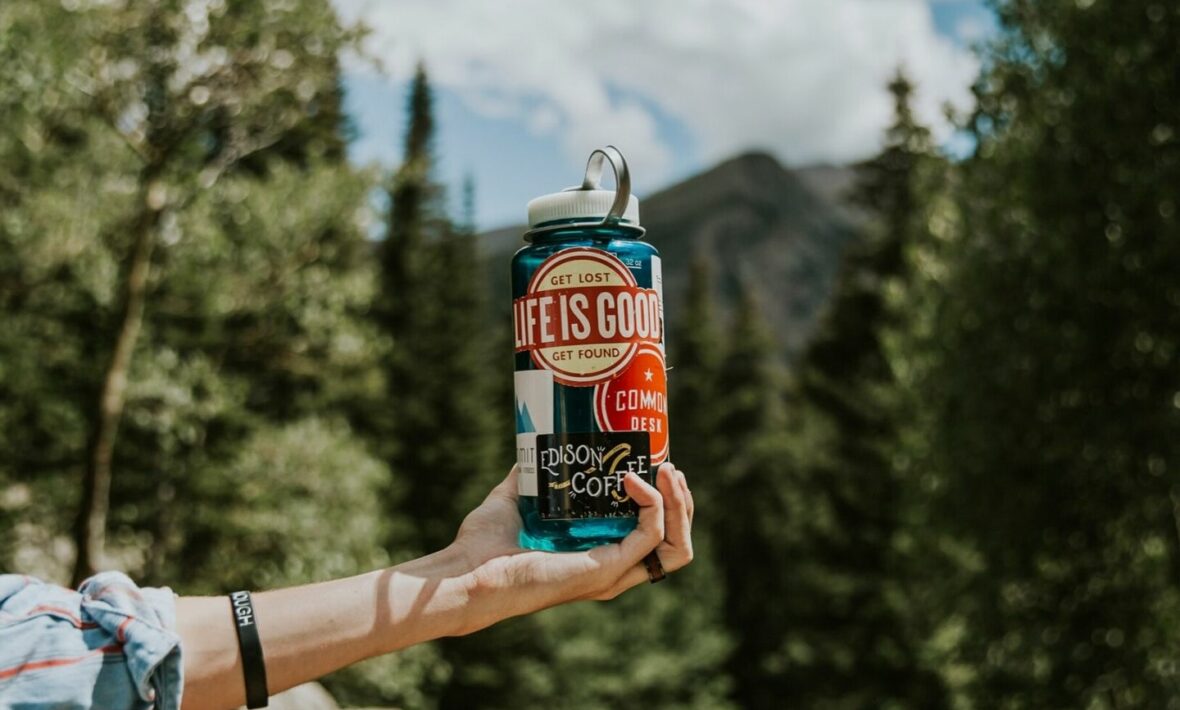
[[508, 489]]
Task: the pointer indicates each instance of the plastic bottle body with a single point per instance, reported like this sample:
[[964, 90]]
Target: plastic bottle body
[[587, 507]]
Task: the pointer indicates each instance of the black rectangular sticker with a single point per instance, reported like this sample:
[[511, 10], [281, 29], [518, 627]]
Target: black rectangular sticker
[[581, 475]]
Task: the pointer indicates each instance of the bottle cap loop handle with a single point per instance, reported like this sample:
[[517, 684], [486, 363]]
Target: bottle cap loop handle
[[592, 180]]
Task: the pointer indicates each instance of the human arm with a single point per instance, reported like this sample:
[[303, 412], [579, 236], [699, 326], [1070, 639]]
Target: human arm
[[483, 577]]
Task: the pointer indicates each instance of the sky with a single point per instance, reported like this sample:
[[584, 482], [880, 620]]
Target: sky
[[525, 89]]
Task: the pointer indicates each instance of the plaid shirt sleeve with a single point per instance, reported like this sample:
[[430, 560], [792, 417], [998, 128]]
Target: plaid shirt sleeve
[[110, 645]]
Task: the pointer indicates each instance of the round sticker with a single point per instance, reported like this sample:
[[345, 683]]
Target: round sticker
[[636, 400], [584, 318]]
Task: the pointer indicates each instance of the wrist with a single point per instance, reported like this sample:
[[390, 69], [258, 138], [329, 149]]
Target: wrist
[[450, 561], [452, 571], [423, 599], [496, 590]]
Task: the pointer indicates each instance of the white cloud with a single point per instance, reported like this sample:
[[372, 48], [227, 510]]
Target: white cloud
[[802, 78], [971, 29]]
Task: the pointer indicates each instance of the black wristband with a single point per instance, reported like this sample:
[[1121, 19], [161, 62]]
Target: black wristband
[[253, 667]]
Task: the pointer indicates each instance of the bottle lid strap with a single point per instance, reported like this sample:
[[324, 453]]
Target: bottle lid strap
[[593, 181]]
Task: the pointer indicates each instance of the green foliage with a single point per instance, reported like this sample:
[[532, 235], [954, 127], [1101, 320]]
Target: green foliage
[[743, 507], [431, 304], [851, 637], [1050, 366], [124, 122], [966, 502], [437, 430], [221, 363], [255, 278], [407, 679], [657, 647], [295, 523], [694, 360]]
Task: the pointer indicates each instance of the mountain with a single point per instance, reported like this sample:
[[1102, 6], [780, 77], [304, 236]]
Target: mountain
[[781, 231], [832, 183]]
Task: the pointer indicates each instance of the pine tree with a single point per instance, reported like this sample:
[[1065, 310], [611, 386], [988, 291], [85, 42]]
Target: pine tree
[[414, 215], [848, 598], [492, 668], [748, 507], [414, 220], [432, 305], [441, 432], [694, 361], [407, 311], [1052, 366]]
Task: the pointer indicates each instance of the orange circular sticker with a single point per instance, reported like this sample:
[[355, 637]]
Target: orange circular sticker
[[637, 400]]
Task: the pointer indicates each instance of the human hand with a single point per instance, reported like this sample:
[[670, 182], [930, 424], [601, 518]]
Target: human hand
[[506, 580], [482, 578]]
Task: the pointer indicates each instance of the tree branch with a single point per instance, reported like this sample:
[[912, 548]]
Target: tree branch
[[90, 525]]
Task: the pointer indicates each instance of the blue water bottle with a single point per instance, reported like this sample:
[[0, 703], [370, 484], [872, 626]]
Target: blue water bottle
[[591, 391]]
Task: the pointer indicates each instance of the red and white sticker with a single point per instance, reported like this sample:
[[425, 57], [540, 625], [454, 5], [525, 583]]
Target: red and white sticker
[[636, 400], [584, 318]]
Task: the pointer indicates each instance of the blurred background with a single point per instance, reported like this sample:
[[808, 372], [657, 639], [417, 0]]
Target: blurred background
[[923, 281]]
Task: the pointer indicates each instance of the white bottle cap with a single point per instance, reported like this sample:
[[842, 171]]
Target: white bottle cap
[[586, 205]]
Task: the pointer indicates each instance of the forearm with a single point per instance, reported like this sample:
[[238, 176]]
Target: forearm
[[483, 578], [310, 631]]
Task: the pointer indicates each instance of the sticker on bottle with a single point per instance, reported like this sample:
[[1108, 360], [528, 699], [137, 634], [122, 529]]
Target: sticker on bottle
[[583, 316], [581, 475], [636, 400], [534, 415], [657, 284]]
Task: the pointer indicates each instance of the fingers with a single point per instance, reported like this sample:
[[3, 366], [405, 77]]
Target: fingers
[[687, 494], [624, 558], [650, 530], [677, 529], [675, 550], [634, 576]]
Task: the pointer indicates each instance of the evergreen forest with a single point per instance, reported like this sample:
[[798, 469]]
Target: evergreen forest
[[230, 358]]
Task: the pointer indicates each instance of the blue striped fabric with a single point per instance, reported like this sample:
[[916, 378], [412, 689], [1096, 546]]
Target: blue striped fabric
[[109, 645]]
